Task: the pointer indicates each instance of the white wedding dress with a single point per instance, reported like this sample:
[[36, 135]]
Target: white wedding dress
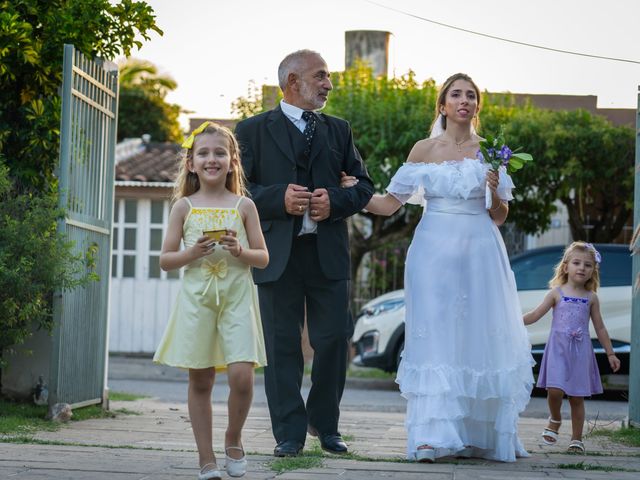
[[466, 367]]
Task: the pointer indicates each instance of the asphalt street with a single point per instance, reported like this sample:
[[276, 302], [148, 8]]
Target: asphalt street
[[140, 376]]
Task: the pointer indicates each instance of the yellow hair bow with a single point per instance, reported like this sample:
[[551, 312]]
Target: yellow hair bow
[[214, 271], [188, 143]]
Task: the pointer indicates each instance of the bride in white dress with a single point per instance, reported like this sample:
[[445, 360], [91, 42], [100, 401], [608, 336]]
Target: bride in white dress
[[466, 367]]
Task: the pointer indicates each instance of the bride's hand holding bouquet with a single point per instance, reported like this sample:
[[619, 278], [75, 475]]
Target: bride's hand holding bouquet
[[496, 152]]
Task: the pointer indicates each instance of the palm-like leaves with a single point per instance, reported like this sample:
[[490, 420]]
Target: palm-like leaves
[[143, 75]]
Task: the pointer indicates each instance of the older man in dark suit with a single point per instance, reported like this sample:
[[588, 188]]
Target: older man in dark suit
[[293, 157]]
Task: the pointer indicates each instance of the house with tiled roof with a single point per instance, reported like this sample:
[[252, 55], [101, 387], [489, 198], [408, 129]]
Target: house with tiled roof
[[141, 293]]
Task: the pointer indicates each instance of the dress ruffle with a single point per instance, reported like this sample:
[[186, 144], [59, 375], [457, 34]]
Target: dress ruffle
[[449, 408], [415, 182], [433, 380]]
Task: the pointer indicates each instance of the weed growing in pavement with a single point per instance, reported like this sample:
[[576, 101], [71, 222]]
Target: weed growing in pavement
[[589, 466], [303, 461], [626, 436]]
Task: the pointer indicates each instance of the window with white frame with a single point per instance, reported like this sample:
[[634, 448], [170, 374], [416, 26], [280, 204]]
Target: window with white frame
[[125, 233], [139, 227]]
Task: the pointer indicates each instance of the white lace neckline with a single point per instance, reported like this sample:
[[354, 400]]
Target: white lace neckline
[[445, 162]]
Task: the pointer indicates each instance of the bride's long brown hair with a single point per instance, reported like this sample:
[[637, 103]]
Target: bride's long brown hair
[[442, 95]]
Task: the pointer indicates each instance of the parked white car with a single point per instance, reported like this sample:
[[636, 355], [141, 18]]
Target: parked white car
[[379, 332]]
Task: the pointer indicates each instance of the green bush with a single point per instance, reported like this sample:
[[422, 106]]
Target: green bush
[[34, 262]]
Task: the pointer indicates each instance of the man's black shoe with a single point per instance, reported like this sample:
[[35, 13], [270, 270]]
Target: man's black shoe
[[288, 448], [333, 443]]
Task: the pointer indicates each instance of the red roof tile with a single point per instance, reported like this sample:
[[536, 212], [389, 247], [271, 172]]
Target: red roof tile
[[157, 163]]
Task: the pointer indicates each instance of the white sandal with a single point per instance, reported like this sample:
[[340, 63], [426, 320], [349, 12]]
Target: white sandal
[[236, 467], [210, 472], [552, 434], [576, 446]]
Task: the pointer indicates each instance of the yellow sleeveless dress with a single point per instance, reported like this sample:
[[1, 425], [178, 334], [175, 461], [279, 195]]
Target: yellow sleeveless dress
[[216, 318]]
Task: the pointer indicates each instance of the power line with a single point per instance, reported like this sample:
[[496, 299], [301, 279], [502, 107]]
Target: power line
[[502, 39]]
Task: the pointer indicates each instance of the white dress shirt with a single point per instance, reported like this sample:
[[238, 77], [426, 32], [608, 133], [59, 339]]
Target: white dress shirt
[[294, 114]]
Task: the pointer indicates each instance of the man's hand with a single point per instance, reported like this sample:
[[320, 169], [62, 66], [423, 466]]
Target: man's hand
[[296, 199], [320, 206]]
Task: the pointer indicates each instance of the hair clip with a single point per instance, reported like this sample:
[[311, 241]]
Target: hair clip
[[595, 252], [188, 143]]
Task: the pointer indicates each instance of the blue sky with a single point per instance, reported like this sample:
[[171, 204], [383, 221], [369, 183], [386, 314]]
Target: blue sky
[[214, 48]]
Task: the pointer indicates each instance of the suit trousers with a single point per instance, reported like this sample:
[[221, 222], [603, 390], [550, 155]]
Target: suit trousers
[[330, 327]]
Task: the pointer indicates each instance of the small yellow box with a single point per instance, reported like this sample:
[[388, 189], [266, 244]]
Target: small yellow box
[[215, 235]]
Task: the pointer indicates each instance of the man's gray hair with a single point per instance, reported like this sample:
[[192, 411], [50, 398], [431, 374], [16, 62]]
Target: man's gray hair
[[291, 63]]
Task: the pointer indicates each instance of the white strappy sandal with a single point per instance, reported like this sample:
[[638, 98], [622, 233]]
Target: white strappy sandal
[[576, 446], [547, 433]]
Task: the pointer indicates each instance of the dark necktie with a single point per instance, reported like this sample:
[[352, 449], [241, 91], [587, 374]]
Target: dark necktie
[[310, 129]]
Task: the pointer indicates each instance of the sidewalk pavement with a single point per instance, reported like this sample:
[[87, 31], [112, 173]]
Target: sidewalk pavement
[[156, 442]]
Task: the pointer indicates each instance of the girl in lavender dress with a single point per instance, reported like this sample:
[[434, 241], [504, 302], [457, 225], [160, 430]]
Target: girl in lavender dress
[[569, 363]]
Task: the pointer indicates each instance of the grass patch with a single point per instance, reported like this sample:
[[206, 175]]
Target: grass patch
[[361, 372], [125, 397], [23, 439], [23, 418], [375, 373], [591, 467], [89, 412], [303, 461], [626, 436]]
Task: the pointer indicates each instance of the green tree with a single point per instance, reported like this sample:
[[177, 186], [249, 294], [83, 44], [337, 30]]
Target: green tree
[[580, 159], [387, 115], [32, 35], [142, 104], [245, 107], [34, 259]]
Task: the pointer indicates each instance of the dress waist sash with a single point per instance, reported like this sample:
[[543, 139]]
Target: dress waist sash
[[469, 206]]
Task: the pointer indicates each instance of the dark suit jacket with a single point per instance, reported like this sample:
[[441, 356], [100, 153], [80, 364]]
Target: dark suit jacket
[[269, 165]]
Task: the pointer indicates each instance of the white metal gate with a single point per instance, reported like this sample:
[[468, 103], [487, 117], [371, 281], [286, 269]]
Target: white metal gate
[[86, 176]]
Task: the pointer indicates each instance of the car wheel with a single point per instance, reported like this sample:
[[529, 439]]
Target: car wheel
[[399, 354]]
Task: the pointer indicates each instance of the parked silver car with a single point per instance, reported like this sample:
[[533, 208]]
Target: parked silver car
[[379, 332]]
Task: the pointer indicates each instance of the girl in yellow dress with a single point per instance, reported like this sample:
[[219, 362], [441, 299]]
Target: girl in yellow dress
[[215, 324]]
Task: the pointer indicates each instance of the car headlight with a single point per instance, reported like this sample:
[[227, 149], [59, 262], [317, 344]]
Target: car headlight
[[383, 307], [369, 343]]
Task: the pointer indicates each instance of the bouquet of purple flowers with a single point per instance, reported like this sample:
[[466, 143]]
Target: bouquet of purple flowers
[[494, 151]]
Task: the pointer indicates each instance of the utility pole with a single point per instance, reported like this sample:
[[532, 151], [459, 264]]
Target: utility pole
[[634, 360]]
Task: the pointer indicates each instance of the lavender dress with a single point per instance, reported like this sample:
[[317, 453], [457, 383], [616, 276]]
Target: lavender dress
[[569, 362]]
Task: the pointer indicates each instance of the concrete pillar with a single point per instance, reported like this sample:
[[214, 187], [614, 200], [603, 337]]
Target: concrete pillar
[[371, 46]]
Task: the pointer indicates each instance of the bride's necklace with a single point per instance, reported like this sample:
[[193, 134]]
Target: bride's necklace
[[460, 143]]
